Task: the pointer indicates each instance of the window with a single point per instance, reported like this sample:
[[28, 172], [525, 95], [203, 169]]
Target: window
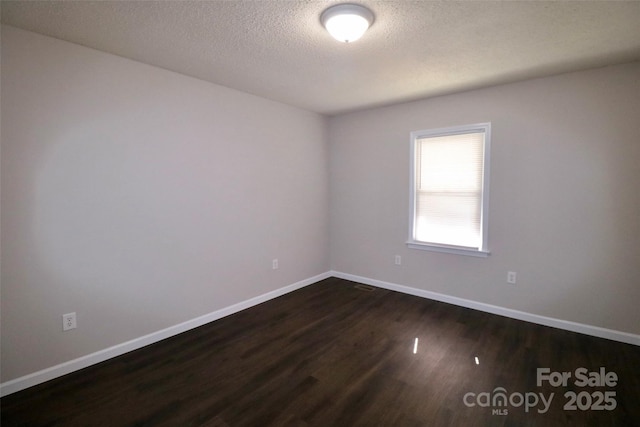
[[450, 189]]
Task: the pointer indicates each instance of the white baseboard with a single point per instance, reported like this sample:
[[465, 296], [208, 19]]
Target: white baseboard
[[44, 375], [595, 331], [120, 349]]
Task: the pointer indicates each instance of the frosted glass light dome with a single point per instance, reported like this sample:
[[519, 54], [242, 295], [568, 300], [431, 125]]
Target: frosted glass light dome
[[347, 22]]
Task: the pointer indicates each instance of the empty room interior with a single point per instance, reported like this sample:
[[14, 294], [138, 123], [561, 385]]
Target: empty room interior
[[221, 213]]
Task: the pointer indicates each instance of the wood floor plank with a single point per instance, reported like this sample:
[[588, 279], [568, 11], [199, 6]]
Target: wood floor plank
[[332, 355]]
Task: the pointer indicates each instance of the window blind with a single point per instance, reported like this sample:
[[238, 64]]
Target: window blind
[[449, 177]]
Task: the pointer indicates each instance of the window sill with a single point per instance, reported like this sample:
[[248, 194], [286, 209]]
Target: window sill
[[456, 250]]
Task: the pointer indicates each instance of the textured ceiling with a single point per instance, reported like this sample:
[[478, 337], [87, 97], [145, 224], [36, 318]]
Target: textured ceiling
[[279, 50]]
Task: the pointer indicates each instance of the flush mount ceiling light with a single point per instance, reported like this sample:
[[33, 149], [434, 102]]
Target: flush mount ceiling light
[[347, 22]]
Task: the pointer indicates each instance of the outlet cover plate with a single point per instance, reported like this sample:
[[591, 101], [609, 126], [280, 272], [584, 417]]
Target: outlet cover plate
[[69, 321]]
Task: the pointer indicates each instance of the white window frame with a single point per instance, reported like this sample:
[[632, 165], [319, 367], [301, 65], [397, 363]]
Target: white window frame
[[483, 250]]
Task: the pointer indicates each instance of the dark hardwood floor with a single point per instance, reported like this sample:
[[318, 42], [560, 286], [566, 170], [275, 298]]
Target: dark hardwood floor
[[332, 355]]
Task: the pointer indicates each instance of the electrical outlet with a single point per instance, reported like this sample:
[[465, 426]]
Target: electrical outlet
[[69, 321], [274, 264], [398, 260], [511, 277]]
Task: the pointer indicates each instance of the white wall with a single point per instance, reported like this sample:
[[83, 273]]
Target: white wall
[[564, 204], [140, 198]]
